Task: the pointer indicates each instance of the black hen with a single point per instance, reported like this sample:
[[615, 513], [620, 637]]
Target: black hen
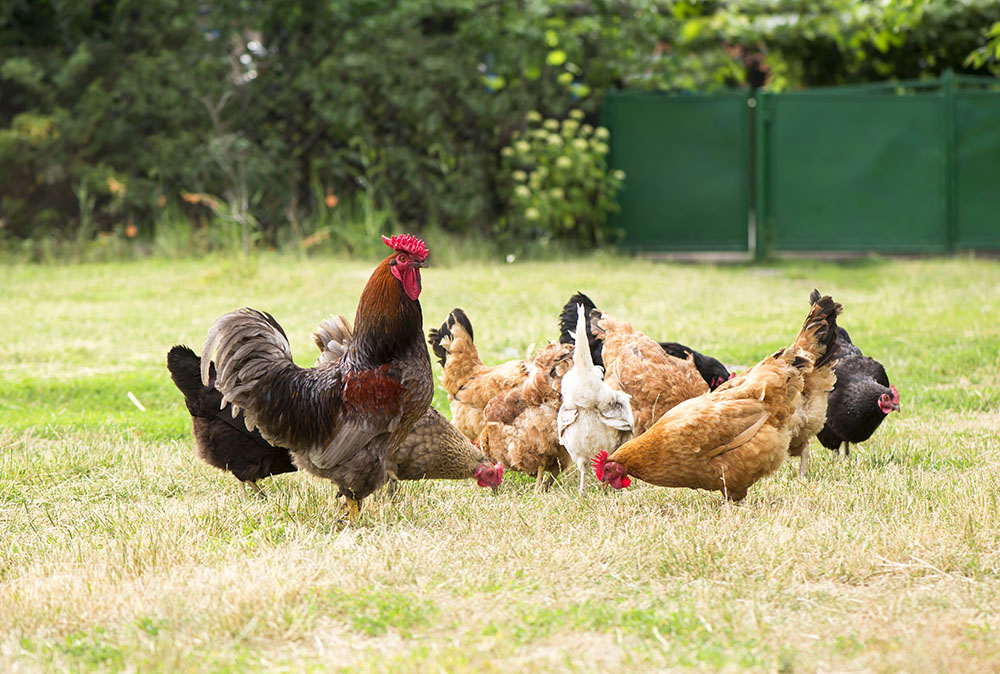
[[861, 398], [711, 370], [221, 440]]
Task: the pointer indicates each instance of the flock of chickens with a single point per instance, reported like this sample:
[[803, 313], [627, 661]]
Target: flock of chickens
[[604, 396]]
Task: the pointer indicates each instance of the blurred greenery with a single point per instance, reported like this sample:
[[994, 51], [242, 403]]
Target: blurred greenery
[[176, 127]]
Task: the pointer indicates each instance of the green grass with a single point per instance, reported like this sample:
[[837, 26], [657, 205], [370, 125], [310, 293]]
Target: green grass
[[120, 550]]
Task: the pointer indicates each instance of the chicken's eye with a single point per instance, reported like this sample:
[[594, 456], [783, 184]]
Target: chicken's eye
[[401, 258]]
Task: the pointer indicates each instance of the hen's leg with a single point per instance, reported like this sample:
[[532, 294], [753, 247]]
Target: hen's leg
[[804, 462], [847, 449], [538, 478], [255, 489], [581, 468]]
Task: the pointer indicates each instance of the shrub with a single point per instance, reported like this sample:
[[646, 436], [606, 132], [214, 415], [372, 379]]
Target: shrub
[[556, 181]]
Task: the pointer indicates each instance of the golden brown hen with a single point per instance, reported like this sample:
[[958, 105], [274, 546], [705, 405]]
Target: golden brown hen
[[470, 383], [728, 439], [637, 365], [520, 430]]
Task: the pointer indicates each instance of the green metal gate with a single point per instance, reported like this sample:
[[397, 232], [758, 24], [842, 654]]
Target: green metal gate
[[906, 166], [976, 213], [892, 167], [685, 159]]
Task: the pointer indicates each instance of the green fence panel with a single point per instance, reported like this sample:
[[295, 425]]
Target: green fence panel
[[853, 170], [686, 159], [977, 169]]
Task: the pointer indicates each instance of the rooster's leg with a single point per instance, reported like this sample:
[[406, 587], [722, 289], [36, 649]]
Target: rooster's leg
[[804, 462], [353, 509]]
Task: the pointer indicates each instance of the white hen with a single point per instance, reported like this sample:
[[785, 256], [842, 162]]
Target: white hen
[[593, 417]]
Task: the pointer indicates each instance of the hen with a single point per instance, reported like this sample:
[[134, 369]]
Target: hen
[[592, 416], [520, 425], [434, 449], [222, 440], [861, 399], [470, 383], [637, 365], [728, 439], [341, 420], [712, 371]]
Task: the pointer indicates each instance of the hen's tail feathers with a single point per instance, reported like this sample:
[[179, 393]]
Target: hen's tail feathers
[[184, 367], [568, 324], [593, 320], [332, 336], [568, 317], [582, 357], [248, 346], [818, 335], [436, 336], [814, 297], [457, 316]]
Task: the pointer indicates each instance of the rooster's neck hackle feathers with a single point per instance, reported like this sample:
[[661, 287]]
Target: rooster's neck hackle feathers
[[387, 321]]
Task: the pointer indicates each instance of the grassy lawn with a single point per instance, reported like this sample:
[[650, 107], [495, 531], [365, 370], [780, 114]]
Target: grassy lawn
[[120, 550]]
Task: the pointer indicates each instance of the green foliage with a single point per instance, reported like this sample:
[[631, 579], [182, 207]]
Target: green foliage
[[988, 55], [556, 180], [113, 111]]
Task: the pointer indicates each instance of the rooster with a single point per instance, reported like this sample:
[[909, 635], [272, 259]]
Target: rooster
[[711, 370], [434, 449], [861, 399], [592, 417], [470, 383], [222, 440], [341, 420], [637, 365], [728, 439], [520, 425]]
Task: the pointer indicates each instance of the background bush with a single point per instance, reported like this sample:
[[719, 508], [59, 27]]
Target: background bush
[[239, 123]]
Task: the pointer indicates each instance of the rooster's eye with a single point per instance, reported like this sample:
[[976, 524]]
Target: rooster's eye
[[401, 258]]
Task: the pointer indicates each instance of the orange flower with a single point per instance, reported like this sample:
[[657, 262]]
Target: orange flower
[[191, 197], [131, 230], [116, 187], [161, 201], [331, 198]]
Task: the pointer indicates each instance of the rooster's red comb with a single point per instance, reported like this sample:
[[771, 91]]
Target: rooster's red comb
[[598, 462], [407, 243]]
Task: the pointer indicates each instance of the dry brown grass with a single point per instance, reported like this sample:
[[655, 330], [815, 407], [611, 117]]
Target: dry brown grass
[[121, 551]]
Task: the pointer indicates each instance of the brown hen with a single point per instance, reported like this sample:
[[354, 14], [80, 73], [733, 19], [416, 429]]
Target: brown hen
[[728, 439], [637, 365], [521, 430], [469, 382]]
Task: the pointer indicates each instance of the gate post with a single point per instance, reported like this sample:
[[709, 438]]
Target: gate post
[[951, 203], [762, 225]]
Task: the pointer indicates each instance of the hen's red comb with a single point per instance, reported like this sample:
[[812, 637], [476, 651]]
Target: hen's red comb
[[598, 463], [499, 469], [895, 394], [407, 243]]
